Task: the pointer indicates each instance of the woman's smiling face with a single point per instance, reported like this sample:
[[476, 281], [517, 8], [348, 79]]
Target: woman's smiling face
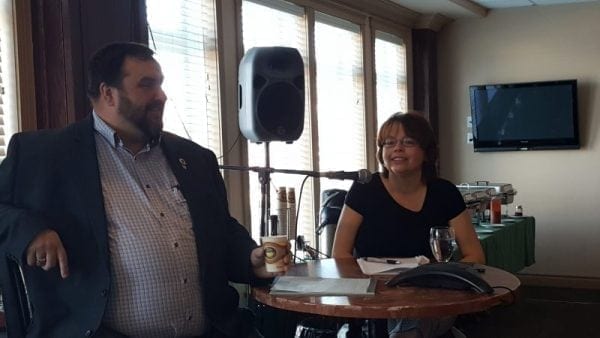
[[401, 154]]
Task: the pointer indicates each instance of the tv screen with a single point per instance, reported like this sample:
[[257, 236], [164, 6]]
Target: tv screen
[[525, 116]]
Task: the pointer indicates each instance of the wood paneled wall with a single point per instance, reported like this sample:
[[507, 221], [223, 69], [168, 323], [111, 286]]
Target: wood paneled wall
[[65, 34]]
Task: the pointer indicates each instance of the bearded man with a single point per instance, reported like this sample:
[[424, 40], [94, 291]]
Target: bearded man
[[116, 228]]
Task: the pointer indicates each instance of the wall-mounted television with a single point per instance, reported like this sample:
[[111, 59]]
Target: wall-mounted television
[[525, 116]]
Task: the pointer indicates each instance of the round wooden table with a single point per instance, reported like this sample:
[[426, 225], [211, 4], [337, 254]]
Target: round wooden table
[[388, 302]]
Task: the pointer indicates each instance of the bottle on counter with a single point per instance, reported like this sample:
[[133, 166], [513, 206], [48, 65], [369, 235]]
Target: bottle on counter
[[496, 210], [519, 210]]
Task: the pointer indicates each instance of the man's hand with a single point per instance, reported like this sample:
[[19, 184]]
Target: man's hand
[[46, 251], [257, 257]]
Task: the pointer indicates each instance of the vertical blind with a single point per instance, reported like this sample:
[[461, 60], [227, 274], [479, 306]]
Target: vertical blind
[[9, 116], [278, 23], [340, 97], [183, 35], [2, 133], [390, 70]]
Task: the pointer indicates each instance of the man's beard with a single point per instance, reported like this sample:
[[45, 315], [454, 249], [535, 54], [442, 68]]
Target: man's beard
[[140, 115]]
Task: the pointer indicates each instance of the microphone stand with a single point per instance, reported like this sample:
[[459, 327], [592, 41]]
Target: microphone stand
[[264, 177]]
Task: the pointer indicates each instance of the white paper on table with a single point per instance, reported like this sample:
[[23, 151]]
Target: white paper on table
[[379, 268], [292, 285]]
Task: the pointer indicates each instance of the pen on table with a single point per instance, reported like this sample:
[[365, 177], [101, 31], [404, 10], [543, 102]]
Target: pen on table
[[382, 260]]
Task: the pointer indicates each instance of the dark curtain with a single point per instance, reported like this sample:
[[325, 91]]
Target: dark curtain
[[425, 94], [65, 34]]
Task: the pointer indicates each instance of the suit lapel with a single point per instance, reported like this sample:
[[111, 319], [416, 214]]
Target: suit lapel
[[85, 172]]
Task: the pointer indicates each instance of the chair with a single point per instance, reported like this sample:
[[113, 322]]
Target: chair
[[332, 201], [319, 327], [17, 307]]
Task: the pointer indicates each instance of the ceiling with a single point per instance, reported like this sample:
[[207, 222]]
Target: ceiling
[[457, 9]]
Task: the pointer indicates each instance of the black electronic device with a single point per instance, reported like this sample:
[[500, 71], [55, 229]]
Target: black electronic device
[[525, 116], [451, 275], [271, 94]]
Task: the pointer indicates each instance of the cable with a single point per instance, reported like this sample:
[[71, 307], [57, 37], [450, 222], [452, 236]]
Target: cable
[[151, 35], [312, 251], [298, 204], [231, 147]]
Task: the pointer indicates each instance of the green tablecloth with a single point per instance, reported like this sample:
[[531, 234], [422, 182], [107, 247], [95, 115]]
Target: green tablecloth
[[509, 246]]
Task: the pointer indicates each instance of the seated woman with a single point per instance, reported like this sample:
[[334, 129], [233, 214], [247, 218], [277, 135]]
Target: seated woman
[[392, 214]]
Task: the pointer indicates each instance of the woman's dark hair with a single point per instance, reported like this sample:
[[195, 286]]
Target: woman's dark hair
[[416, 127], [106, 64]]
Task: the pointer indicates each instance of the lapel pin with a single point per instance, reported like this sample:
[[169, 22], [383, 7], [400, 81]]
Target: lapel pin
[[183, 163]]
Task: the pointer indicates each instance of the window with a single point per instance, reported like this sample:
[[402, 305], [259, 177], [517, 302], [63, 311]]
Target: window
[[340, 107], [280, 24], [340, 98], [183, 35], [9, 116], [390, 69]]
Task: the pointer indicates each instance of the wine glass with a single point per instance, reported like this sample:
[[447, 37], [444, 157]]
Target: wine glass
[[441, 240]]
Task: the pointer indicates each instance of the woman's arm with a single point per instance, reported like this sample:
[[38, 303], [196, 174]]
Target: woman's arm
[[467, 240], [345, 234]]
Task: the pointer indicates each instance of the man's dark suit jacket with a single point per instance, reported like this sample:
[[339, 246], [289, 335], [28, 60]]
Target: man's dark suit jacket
[[50, 180]]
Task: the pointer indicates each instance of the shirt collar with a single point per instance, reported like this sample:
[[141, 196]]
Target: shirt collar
[[110, 135]]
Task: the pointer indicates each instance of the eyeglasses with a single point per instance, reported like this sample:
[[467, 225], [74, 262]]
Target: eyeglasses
[[407, 142]]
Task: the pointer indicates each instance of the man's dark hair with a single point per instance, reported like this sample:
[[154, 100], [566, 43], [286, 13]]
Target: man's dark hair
[[106, 64]]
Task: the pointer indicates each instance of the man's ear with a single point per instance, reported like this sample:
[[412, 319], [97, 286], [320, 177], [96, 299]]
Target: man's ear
[[108, 94]]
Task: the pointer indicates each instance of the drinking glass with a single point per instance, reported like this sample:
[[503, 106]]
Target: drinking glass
[[441, 240]]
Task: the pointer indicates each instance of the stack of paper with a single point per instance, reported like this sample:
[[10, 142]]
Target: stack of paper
[[389, 266], [291, 285]]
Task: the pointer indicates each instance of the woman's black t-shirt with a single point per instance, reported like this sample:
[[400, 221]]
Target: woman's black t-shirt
[[390, 230]]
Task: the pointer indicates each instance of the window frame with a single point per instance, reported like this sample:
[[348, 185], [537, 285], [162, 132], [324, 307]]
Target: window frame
[[22, 73], [369, 17], [24, 66], [369, 23], [405, 34]]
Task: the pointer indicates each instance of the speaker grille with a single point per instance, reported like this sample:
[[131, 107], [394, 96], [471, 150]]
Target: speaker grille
[[280, 110], [271, 89]]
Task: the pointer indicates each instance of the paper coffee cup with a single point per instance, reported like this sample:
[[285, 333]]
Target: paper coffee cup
[[276, 252]]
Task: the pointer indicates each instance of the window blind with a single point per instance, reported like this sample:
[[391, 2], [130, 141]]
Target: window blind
[[9, 114], [2, 135], [183, 35], [390, 70], [279, 23], [340, 97]]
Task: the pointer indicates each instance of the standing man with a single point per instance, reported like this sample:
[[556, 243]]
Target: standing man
[[117, 228]]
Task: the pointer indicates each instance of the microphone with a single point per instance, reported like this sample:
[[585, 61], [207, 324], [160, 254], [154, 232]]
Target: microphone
[[360, 176]]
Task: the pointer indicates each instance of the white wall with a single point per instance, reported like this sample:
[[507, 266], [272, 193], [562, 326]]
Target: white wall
[[561, 188]]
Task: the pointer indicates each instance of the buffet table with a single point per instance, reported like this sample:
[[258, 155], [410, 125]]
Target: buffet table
[[510, 245]]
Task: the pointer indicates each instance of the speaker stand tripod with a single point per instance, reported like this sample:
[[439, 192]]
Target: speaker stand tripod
[[264, 177]]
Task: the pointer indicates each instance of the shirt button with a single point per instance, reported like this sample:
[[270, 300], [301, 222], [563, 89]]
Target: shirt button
[[185, 281], [88, 333], [162, 214], [176, 244], [148, 186], [189, 318], [104, 293]]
